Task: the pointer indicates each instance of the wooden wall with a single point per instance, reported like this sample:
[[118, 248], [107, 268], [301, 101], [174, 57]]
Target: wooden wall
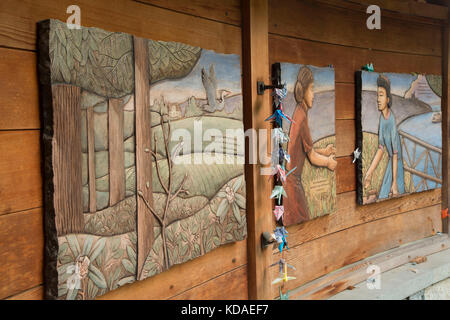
[[314, 32], [334, 32]]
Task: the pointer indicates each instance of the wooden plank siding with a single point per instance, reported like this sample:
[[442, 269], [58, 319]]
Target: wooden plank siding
[[312, 32], [294, 42]]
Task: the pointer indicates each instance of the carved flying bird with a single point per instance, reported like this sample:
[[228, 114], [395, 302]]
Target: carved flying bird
[[215, 98]]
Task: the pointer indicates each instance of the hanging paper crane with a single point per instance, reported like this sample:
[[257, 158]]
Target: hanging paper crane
[[278, 212], [277, 193], [278, 115], [281, 264], [280, 171], [283, 276], [283, 155], [281, 236], [284, 296], [279, 135]]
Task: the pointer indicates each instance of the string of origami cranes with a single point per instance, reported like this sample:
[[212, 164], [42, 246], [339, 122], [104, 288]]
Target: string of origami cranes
[[280, 138]]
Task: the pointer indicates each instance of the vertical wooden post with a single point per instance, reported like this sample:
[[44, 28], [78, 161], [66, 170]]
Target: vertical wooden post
[[256, 108], [66, 145], [116, 152], [143, 154], [445, 122], [91, 159]]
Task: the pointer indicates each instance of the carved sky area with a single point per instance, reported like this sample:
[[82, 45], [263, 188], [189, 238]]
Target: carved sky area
[[179, 90]]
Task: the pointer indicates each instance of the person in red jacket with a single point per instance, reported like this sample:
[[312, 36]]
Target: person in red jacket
[[301, 146]]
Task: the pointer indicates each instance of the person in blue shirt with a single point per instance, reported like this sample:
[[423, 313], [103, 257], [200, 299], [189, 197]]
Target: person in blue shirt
[[388, 137]]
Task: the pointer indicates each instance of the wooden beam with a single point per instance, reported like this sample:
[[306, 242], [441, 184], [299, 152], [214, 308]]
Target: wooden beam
[[445, 123], [143, 155], [116, 152], [256, 109], [66, 162]]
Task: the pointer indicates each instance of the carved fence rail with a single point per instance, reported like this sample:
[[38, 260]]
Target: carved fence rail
[[411, 163]]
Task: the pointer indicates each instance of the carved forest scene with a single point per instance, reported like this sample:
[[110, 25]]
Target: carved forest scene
[[131, 188]]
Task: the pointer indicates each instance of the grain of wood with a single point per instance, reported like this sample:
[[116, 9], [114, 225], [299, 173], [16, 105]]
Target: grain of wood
[[349, 214], [180, 278], [300, 19], [140, 19], [21, 252], [227, 11], [116, 152], [350, 275], [345, 137], [233, 286], [315, 258], [66, 160], [345, 101], [256, 108], [347, 60], [91, 159], [18, 90], [409, 10], [345, 175], [20, 171], [145, 220], [36, 293]]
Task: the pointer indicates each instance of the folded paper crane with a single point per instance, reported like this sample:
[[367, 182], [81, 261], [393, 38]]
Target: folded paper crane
[[280, 171], [281, 236], [279, 135], [281, 263], [283, 155], [278, 115], [283, 276], [277, 193], [284, 296], [278, 212]]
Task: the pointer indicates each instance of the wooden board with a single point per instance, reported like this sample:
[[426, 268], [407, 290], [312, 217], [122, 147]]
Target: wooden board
[[299, 19], [349, 214], [116, 152], [233, 286], [21, 252], [352, 274], [181, 278], [226, 11], [409, 9], [66, 152], [324, 255], [256, 108], [140, 19], [345, 175], [345, 137], [347, 60], [20, 171], [36, 293], [18, 90]]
